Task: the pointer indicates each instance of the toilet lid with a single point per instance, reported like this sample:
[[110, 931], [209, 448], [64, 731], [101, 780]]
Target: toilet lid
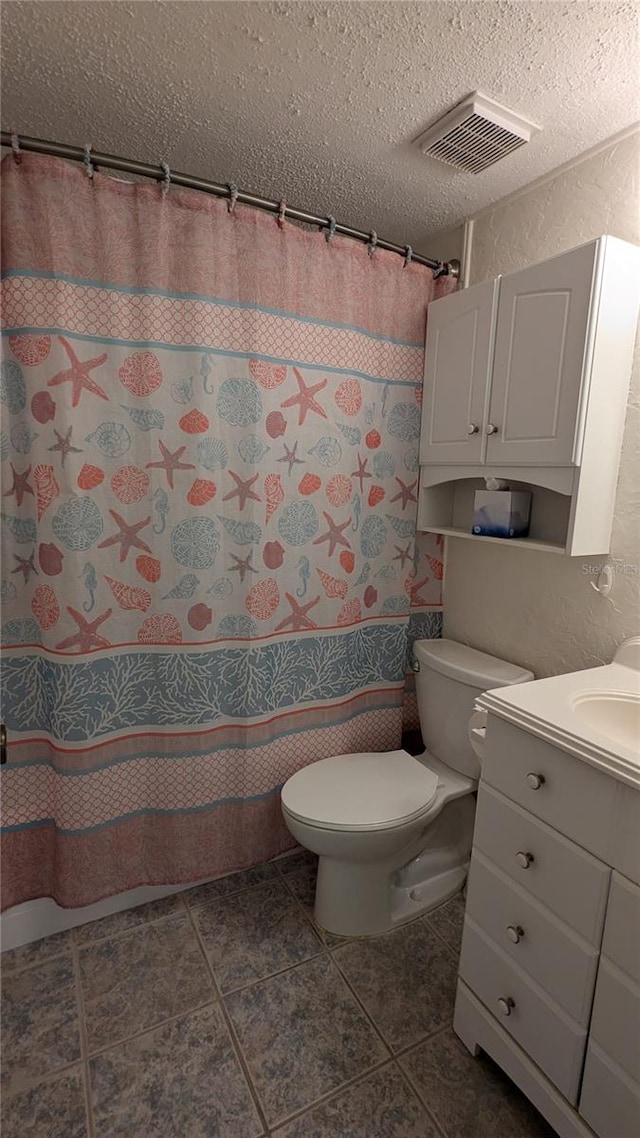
[[360, 792]]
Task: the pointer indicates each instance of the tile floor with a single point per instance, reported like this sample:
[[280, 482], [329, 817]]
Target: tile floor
[[223, 1012]]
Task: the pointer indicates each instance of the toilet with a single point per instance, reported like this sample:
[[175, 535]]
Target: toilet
[[393, 833]]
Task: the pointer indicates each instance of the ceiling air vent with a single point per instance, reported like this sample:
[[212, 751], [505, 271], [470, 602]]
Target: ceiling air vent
[[477, 133]]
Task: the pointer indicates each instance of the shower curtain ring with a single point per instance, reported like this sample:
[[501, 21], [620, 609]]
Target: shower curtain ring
[[88, 164], [408, 254], [15, 146], [233, 196], [166, 181], [331, 228], [282, 209], [373, 241], [440, 271]]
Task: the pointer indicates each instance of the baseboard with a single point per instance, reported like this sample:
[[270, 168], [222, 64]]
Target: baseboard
[[33, 920]]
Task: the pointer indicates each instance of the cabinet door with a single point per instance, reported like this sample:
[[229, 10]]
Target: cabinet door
[[541, 347], [456, 376]]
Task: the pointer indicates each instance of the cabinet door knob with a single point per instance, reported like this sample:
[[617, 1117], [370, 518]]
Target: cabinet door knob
[[515, 933], [491, 429], [524, 859], [473, 429], [506, 1005], [535, 781]]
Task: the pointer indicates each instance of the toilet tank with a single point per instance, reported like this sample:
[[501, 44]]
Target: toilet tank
[[449, 679]]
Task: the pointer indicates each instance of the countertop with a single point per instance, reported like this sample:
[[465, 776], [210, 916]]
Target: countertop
[[551, 709]]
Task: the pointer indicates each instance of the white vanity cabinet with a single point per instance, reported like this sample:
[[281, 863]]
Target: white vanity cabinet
[[610, 1097], [526, 379], [549, 976]]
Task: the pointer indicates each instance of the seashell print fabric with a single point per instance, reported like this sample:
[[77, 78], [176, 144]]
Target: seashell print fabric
[[210, 568]]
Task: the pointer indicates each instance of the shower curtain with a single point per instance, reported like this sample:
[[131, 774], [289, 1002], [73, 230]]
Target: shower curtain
[[210, 473]]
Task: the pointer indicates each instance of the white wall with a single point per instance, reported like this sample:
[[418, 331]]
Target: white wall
[[538, 609], [445, 245]]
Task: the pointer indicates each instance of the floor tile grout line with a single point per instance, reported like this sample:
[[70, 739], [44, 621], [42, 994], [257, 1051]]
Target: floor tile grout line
[[81, 945], [219, 995], [309, 919], [272, 975], [182, 895], [318, 930], [323, 950], [439, 1125], [235, 1042], [36, 964], [33, 1081], [307, 865], [334, 948], [401, 1051], [67, 951], [454, 950], [278, 881], [360, 1003], [187, 907], [333, 1093], [184, 908], [84, 1035], [121, 1040], [432, 1119], [192, 906], [423, 1039], [337, 1090]]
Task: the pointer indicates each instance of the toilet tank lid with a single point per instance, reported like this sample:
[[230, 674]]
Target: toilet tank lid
[[467, 665]]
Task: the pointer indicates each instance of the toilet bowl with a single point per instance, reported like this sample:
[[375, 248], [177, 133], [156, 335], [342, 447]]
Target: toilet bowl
[[393, 832]]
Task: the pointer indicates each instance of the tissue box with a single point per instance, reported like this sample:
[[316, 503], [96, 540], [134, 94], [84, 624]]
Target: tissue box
[[501, 513]]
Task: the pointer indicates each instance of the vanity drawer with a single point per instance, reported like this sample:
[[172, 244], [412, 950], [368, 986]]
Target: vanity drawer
[[533, 937], [621, 942], [615, 1024], [609, 1101], [571, 882], [541, 1028], [513, 754]]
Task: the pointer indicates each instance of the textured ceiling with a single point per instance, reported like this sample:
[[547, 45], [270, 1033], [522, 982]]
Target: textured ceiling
[[319, 101]]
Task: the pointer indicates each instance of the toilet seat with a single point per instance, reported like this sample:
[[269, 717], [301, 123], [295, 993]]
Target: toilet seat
[[366, 791]]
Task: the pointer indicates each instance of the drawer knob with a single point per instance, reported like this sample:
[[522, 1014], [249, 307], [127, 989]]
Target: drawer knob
[[524, 859], [535, 781], [506, 1005], [515, 933]]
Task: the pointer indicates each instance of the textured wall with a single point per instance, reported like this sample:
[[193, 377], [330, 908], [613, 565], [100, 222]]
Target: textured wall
[[538, 609]]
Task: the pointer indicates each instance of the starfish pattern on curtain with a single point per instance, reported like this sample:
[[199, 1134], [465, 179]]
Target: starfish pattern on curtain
[[210, 566]]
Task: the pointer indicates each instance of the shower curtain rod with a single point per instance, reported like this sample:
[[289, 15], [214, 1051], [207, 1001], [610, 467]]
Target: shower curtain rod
[[146, 170]]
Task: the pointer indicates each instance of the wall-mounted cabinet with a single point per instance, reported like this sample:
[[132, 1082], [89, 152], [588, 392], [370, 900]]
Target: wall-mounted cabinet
[[526, 379], [446, 505]]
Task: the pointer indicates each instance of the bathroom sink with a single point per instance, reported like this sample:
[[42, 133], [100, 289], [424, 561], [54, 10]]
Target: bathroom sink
[[593, 714], [613, 714]]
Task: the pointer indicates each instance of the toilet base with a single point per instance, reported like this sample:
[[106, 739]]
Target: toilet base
[[376, 911], [409, 903], [366, 899]]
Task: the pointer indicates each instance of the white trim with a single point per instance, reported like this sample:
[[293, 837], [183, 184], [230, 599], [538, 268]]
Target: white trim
[[42, 917], [606, 144], [467, 250]]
